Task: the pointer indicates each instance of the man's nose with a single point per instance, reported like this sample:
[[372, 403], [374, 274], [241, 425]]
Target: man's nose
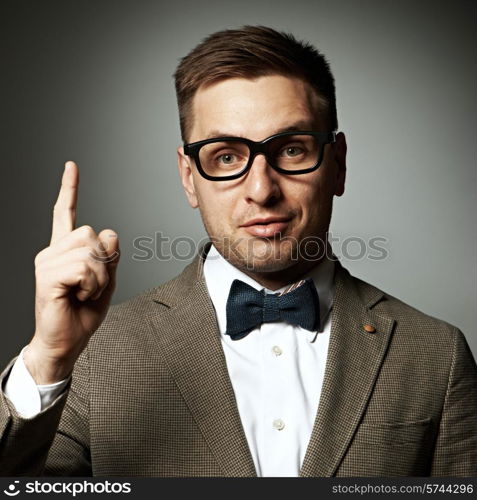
[[261, 183]]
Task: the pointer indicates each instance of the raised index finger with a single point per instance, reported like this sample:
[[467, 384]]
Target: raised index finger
[[64, 211]]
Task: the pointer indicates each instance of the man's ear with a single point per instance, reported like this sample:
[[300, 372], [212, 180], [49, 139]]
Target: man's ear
[[340, 158], [185, 172]]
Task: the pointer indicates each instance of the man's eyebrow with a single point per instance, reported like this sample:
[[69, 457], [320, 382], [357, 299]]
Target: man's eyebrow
[[295, 127], [218, 133]]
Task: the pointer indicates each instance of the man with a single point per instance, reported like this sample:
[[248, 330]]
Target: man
[[263, 357]]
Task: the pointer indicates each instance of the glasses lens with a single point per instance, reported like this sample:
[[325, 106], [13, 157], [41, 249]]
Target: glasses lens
[[221, 159], [295, 152]]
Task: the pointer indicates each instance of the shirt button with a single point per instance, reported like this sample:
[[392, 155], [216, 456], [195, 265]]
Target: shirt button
[[278, 424], [277, 351]]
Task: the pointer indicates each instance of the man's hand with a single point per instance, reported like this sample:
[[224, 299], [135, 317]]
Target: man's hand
[[75, 280]]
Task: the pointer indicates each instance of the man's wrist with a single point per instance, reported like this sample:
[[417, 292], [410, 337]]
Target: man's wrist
[[43, 368]]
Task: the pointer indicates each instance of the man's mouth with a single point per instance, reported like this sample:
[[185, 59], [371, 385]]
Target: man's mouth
[[266, 227]]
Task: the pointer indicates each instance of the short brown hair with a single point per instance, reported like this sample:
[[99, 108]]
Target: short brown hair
[[251, 52]]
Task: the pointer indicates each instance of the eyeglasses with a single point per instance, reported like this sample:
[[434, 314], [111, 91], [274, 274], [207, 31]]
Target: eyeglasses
[[290, 153]]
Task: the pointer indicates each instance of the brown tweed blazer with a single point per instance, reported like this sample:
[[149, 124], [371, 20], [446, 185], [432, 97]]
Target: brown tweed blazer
[[151, 395]]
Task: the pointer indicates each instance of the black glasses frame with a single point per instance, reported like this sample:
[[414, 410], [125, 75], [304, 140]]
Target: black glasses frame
[[192, 149]]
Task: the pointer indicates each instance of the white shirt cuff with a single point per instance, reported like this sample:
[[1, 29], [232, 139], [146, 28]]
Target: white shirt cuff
[[27, 397]]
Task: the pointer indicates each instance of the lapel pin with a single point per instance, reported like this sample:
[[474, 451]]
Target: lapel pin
[[369, 328]]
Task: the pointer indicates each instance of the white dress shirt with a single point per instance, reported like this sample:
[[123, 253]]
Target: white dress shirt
[[276, 372], [27, 397]]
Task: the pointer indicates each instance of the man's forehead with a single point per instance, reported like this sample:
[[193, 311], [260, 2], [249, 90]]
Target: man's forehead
[[264, 105]]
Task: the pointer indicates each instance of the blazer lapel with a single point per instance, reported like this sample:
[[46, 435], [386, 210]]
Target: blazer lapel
[[194, 355], [354, 359]]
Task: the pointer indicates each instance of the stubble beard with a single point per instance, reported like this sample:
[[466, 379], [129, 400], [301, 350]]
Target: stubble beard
[[259, 255], [276, 261]]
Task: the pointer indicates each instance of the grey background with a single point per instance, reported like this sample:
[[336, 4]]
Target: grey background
[[92, 81]]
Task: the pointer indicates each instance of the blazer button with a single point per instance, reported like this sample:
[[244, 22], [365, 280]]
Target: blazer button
[[369, 328]]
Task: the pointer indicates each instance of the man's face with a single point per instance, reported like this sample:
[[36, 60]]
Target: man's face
[[258, 220]]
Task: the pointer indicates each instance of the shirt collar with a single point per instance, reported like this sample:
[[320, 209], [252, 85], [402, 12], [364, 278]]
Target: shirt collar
[[219, 274]]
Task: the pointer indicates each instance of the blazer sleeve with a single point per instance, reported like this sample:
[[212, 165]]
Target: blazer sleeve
[[56, 441], [455, 451]]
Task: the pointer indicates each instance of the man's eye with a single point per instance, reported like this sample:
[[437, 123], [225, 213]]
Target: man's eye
[[292, 151], [227, 159]]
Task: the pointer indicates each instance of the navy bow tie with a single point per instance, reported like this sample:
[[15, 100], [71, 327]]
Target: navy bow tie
[[248, 308]]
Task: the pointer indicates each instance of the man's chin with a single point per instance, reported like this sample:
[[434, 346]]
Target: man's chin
[[262, 255], [261, 267]]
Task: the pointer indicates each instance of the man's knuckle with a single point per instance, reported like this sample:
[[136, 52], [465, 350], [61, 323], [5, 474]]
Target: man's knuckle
[[86, 231], [82, 269], [103, 277], [38, 258], [86, 253], [95, 257]]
